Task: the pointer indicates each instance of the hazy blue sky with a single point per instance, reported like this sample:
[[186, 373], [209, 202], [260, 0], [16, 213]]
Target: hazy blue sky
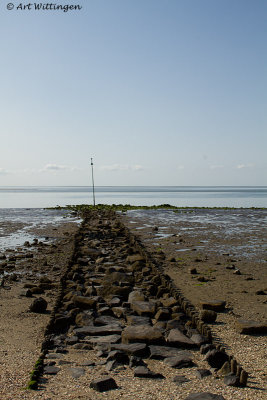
[[158, 92]]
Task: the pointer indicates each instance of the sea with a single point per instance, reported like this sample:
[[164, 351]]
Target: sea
[[180, 196]]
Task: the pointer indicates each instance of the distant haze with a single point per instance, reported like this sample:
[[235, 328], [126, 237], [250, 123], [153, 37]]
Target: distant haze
[[158, 92]]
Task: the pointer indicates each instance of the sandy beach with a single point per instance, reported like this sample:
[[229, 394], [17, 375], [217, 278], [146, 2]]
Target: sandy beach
[[205, 258]]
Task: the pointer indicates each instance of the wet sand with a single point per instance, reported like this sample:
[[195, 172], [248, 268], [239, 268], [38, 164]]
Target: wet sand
[[228, 249]]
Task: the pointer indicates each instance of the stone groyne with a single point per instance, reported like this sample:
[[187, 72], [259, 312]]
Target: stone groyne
[[115, 300]]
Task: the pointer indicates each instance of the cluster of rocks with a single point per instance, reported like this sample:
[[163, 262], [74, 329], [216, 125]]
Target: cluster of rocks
[[115, 298]]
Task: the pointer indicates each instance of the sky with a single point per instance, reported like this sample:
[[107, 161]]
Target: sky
[[158, 92]]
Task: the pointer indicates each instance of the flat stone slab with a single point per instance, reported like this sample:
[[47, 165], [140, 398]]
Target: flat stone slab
[[161, 352], [250, 327], [132, 349], [51, 370], [142, 333], [214, 305], [107, 320], [144, 372], [103, 384], [98, 330], [177, 338], [204, 396], [179, 362], [104, 339]]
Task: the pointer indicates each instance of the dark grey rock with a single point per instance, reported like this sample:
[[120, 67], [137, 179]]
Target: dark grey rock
[[251, 327], [161, 352], [177, 338], [216, 358], [231, 380], [118, 356], [51, 370], [72, 340], [179, 362], [104, 339], [87, 363], [98, 330], [132, 349], [144, 372], [202, 373], [208, 316], [136, 361], [104, 384], [179, 379], [38, 305], [206, 347]]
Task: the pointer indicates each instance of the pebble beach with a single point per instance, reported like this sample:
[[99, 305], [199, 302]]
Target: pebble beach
[[208, 255]]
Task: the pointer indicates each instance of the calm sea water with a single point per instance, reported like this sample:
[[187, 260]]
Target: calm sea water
[[183, 196]]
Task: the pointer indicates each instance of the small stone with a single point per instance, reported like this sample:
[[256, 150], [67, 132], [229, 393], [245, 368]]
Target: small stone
[[192, 271], [144, 372], [216, 358], [208, 316], [51, 370], [179, 379], [103, 384], [179, 362], [231, 380], [225, 370], [39, 305], [215, 305], [76, 372], [251, 327], [202, 373]]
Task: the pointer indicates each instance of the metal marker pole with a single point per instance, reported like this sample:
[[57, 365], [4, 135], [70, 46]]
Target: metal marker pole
[[93, 180]]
